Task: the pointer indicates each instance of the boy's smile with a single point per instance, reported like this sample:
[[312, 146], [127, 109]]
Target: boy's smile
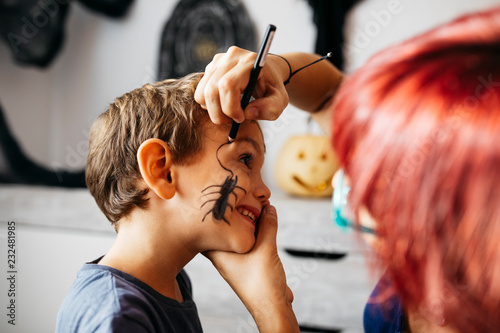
[[225, 182]]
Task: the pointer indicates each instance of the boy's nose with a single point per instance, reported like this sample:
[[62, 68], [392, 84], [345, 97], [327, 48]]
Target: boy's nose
[[262, 192]]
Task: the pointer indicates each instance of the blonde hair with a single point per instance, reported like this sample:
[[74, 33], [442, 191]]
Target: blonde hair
[[165, 110]]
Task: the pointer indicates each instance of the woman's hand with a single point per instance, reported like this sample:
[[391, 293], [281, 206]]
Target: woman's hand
[[259, 280], [227, 76]]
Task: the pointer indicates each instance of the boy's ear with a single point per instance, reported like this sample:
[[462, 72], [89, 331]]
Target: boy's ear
[[155, 162]]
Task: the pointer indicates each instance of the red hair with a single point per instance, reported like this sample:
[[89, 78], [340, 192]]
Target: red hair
[[417, 130]]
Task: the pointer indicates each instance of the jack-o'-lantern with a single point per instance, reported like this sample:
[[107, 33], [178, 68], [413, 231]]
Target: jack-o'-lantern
[[306, 166]]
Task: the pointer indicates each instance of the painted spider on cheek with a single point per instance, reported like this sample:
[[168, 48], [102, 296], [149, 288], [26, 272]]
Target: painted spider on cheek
[[225, 190]]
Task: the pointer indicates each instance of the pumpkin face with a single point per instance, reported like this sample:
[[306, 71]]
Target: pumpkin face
[[306, 166]]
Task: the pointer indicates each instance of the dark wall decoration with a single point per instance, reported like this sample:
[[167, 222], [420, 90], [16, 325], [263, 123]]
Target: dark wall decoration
[[197, 30], [111, 8], [16, 167], [34, 33], [34, 29], [329, 17]]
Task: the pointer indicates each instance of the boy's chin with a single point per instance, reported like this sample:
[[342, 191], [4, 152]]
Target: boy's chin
[[243, 247]]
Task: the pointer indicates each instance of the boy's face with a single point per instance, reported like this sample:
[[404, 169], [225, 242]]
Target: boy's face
[[225, 182]]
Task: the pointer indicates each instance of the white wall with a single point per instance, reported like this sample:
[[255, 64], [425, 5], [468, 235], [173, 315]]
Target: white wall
[[370, 30]]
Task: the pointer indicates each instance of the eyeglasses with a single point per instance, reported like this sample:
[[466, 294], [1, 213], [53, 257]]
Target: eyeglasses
[[342, 214]]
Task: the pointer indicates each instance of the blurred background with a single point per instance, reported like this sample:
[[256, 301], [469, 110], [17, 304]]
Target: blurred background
[[50, 102]]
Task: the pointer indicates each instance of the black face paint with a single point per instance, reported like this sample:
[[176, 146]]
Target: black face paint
[[225, 190]]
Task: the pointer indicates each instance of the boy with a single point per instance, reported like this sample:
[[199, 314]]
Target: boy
[[172, 187]]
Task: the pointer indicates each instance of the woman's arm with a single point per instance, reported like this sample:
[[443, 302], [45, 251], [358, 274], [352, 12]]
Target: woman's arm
[[313, 88]]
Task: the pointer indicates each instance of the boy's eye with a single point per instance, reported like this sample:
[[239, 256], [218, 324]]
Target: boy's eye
[[246, 159]]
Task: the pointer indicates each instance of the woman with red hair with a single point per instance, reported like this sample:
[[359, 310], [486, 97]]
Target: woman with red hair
[[417, 131]]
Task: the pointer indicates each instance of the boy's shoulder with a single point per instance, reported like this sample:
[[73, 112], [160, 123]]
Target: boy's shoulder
[[104, 299]]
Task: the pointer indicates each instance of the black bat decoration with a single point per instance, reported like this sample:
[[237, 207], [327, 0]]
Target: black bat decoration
[[225, 190]]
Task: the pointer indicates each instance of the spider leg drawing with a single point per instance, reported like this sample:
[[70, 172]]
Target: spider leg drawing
[[225, 190]]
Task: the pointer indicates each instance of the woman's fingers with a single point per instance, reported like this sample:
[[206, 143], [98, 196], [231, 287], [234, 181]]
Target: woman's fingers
[[225, 80]]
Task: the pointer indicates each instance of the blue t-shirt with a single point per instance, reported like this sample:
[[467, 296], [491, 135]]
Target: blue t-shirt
[[104, 299], [384, 314]]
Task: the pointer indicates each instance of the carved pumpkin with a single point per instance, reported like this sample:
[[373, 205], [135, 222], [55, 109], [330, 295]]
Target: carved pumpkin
[[306, 166]]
